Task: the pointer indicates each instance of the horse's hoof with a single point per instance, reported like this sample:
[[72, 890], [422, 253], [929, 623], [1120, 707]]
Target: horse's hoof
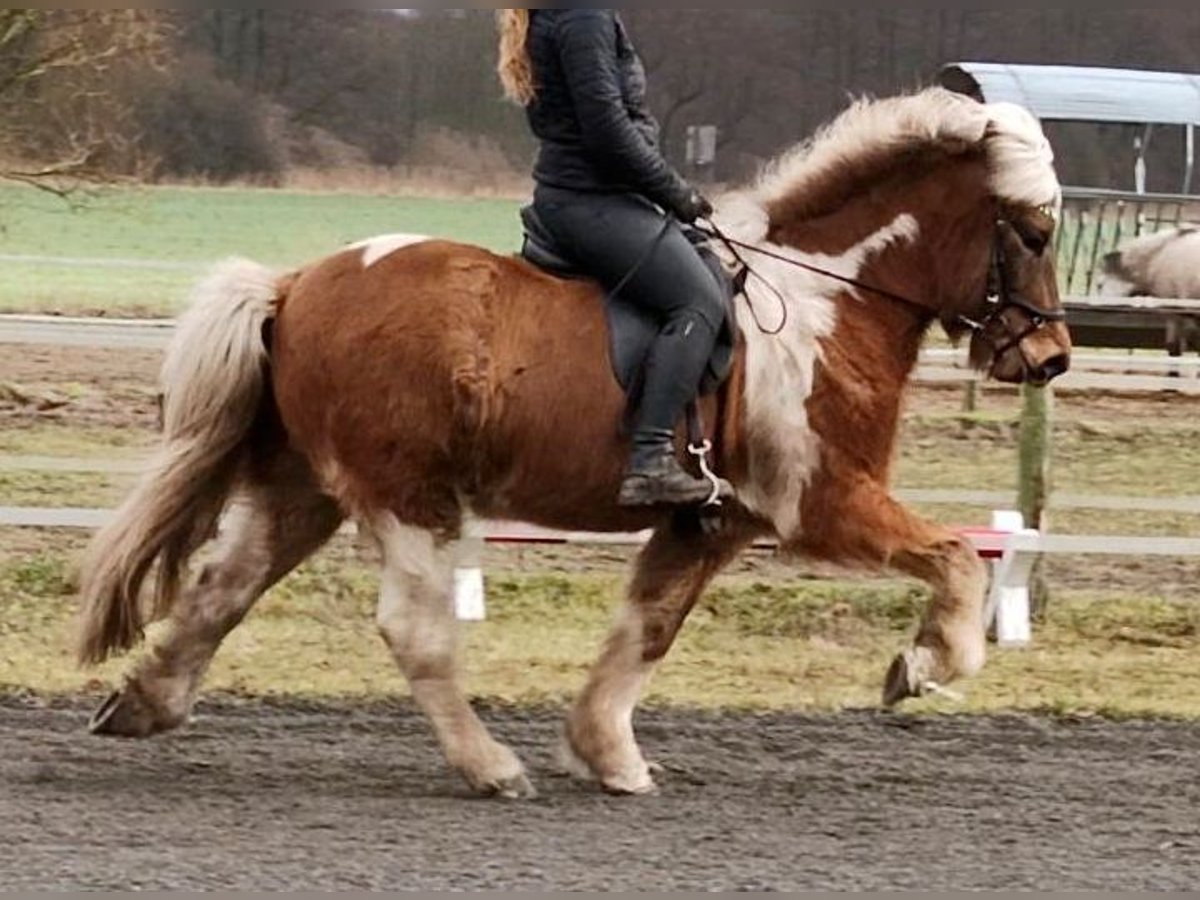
[[619, 788], [639, 785], [900, 684], [518, 788], [123, 715], [626, 785], [913, 675], [570, 763]]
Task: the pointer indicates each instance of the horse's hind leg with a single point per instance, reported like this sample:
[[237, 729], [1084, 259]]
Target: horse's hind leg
[[671, 576], [416, 617], [279, 519]]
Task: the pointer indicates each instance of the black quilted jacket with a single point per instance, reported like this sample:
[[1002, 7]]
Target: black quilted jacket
[[590, 115]]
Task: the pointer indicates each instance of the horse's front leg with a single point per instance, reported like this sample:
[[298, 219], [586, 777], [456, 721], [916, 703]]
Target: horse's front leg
[[870, 527], [672, 573]]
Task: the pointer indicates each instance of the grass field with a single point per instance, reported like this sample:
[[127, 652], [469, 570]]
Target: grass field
[[56, 257], [79, 253], [1122, 638], [756, 643]]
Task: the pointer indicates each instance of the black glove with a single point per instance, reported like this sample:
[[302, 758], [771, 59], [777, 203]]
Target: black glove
[[690, 206]]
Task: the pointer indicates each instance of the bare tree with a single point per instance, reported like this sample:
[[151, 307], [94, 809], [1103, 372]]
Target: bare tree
[[61, 119], [77, 101]]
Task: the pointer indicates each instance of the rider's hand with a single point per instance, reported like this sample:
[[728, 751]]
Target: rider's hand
[[692, 206]]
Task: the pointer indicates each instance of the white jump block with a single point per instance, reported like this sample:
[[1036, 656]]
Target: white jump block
[[469, 602], [1014, 617], [1009, 605]]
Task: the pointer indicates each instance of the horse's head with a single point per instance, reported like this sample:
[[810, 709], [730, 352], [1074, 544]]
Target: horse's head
[[976, 181], [1019, 332], [1011, 307], [1115, 278], [1153, 265]]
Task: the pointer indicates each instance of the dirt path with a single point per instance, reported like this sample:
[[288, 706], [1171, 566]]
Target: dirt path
[[291, 796]]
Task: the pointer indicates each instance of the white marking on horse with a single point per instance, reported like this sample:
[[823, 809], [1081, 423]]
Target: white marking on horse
[[1020, 158], [379, 248], [784, 451], [416, 617]]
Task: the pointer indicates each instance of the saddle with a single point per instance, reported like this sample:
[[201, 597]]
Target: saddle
[[632, 330]]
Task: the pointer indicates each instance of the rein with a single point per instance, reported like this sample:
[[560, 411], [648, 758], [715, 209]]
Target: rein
[[735, 247], [999, 295]]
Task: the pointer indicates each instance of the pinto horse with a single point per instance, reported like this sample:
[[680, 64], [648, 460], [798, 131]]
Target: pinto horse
[[408, 384]]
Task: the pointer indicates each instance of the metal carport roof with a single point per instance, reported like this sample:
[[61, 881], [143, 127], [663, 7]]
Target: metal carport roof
[[1081, 94]]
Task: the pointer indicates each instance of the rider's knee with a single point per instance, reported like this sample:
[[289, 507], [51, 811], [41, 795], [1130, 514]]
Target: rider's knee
[[693, 319]]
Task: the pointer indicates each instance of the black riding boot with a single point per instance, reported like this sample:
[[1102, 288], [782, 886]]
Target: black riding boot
[[673, 372]]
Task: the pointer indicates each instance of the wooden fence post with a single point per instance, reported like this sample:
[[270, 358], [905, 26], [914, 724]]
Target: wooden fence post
[[1037, 429], [971, 398]]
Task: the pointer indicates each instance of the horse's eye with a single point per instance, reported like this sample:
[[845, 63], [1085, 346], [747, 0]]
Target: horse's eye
[[1035, 239]]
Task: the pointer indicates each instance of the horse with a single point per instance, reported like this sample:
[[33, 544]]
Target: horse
[[408, 384], [1164, 264]]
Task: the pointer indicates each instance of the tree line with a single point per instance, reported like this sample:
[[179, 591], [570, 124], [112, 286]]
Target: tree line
[[221, 94]]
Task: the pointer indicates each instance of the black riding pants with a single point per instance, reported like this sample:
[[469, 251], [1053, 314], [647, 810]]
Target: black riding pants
[[608, 235]]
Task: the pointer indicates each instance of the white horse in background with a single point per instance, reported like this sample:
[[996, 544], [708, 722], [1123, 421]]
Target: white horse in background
[[1164, 264]]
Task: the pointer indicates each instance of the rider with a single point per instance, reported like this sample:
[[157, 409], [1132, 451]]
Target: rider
[[602, 189]]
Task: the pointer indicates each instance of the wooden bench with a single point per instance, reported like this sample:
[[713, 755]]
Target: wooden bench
[[1146, 323]]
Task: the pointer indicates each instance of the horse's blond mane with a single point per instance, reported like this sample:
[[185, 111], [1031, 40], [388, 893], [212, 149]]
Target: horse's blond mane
[[874, 137]]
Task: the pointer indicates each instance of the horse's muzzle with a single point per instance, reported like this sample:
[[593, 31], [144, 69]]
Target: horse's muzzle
[[1051, 369]]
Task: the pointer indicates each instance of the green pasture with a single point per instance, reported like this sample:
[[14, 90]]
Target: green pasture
[[137, 250], [74, 258], [1121, 641]]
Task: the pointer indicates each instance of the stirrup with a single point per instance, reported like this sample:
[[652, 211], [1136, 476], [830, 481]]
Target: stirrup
[[701, 453]]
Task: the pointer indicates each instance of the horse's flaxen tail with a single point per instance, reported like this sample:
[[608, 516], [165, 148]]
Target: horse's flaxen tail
[[213, 380]]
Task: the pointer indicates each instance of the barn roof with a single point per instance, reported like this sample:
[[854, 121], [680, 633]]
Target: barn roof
[[1079, 94]]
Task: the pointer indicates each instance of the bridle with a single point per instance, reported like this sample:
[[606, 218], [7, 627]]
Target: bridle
[[1000, 296]]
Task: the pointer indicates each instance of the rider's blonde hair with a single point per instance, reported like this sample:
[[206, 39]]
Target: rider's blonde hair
[[516, 68]]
